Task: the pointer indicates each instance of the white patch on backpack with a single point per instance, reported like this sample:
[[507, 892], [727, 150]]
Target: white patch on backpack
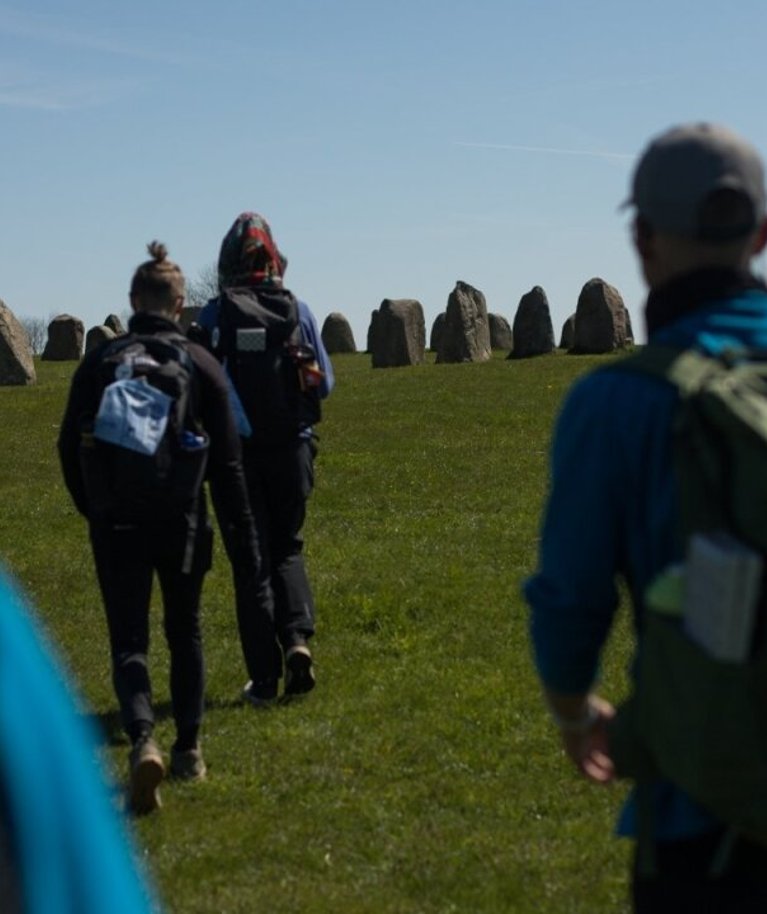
[[133, 414]]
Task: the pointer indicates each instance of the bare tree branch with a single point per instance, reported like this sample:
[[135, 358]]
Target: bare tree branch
[[203, 287], [37, 331]]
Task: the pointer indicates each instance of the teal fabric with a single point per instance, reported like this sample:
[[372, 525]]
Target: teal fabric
[[74, 854]]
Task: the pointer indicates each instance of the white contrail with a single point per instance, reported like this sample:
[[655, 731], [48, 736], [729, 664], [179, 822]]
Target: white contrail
[[24, 86], [594, 153]]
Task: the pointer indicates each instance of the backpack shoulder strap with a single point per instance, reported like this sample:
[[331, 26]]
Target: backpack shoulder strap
[[169, 347], [686, 369], [171, 337], [113, 347], [189, 406]]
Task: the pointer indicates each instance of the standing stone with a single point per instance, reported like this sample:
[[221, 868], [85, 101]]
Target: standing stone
[[533, 331], [98, 335], [629, 329], [500, 332], [65, 339], [398, 333], [337, 334], [437, 330], [466, 337], [372, 329], [114, 323], [568, 333], [17, 366], [600, 319]]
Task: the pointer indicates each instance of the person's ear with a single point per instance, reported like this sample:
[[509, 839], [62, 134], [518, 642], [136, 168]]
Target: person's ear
[[643, 238], [178, 305], [134, 303]]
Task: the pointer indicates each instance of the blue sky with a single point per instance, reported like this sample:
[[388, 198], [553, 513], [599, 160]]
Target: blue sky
[[395, 147]]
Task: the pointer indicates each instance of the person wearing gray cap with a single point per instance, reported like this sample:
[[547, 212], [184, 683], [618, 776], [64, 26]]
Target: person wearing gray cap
[[698, 202]]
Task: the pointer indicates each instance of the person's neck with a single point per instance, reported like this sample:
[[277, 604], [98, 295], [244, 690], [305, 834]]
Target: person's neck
[[687, 292], [662, 271]]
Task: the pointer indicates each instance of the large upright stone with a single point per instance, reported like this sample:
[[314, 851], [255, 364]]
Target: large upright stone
[[98, 335], [500, 332], [629, 329], [65, 339], [397, 334], [114, 323], [600, 319], [466, 335], [337, 334], [372, 328], [437, 329], [533, 331], [568, 333], [16, 364]]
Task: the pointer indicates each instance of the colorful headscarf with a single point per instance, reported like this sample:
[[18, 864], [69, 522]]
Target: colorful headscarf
[[249, 256]]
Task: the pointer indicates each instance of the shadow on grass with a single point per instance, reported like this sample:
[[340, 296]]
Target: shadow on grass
[[109, 728]]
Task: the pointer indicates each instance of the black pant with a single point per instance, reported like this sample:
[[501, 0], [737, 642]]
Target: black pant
[[682, 884], [276, 609], [126, 558]]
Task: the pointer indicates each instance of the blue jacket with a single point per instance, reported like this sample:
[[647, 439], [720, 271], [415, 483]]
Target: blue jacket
[[208, 320], [609, 513], [74, 854]]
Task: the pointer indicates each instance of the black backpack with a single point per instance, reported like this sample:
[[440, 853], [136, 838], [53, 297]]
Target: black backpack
[[272, 368], [143, 462]]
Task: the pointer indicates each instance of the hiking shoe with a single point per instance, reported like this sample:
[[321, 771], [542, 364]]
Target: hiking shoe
[[188, 764], [260, 694], [147, 769], [299, 672]]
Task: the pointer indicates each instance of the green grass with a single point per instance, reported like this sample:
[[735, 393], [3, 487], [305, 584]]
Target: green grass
[[422, 775]]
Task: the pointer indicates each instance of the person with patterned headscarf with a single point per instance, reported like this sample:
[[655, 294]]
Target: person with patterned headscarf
[[249, 256], [270, 345]]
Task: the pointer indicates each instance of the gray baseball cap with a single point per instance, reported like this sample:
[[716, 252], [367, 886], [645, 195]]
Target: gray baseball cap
[[682, 167]]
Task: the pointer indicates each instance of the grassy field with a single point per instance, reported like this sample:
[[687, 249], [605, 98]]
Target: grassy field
[[422, 775]]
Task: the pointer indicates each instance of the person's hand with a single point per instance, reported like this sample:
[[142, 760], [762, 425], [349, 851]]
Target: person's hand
[[587, 746]]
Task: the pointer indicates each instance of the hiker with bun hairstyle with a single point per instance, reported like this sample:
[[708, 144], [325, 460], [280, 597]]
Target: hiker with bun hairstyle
[[147, 419]]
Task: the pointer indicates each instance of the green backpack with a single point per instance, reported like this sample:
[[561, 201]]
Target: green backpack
[[695, 720]]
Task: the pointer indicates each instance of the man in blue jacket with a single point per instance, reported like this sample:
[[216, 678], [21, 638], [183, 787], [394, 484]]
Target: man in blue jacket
[[699, 217], [279, 371]]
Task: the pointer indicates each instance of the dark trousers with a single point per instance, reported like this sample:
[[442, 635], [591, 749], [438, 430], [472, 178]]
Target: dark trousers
[[682, 884], [276, 609], [126, 559]]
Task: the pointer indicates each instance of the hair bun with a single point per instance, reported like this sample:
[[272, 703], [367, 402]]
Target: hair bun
[[157, 251]]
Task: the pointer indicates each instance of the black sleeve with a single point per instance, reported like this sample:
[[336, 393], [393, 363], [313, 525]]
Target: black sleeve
[[82, 404]]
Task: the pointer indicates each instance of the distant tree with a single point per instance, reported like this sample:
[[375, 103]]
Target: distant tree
[[203, 287], [37, 331]]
